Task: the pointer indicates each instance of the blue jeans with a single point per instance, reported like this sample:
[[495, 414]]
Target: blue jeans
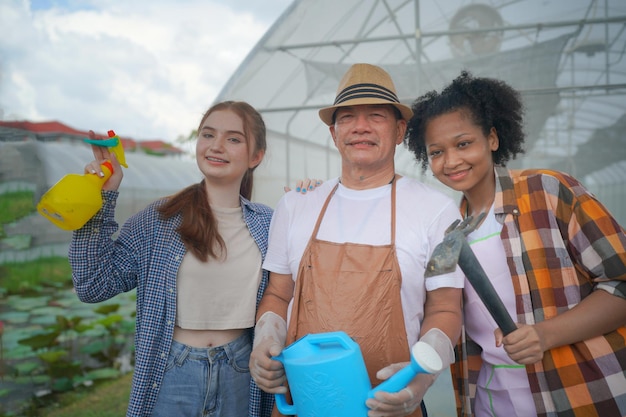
[[206, 381]]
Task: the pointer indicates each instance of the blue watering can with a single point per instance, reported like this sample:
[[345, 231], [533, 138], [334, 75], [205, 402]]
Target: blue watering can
[[327, 375]]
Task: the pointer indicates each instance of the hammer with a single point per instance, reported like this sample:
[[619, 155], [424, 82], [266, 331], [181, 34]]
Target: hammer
[[455, 249]]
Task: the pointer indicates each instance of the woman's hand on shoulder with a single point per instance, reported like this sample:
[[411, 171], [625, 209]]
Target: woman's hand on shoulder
[[308, 184]]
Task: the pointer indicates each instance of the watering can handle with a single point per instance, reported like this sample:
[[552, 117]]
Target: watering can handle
[[283, 406], [332, 337]]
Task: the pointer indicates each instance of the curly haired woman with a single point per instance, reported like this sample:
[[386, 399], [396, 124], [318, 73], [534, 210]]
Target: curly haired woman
[[554, 253]]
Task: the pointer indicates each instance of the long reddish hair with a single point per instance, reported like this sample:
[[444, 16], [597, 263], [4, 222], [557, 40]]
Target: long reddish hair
[[198, 229]]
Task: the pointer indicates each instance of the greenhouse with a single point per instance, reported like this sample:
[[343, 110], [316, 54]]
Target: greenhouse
[[566, 57]]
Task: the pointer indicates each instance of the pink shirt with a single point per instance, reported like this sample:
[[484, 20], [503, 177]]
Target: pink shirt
[[503, 388]]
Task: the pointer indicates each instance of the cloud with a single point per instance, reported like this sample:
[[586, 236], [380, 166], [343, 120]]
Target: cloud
[[145, 68]]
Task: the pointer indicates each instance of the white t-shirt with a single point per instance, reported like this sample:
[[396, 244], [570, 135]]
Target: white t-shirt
[[422, 216]]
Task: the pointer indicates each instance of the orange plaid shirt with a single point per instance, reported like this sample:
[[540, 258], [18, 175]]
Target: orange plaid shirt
[[561, 245]]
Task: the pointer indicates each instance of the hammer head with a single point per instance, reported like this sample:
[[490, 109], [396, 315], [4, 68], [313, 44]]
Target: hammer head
[[444, 257], [446, 254]]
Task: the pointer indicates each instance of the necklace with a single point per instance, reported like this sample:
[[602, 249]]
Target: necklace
[[467, 214]]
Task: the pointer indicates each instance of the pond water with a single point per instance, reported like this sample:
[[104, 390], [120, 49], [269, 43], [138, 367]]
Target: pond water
[[24, 375]]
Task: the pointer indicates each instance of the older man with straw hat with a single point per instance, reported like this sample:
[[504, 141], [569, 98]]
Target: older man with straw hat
[[351, 255]]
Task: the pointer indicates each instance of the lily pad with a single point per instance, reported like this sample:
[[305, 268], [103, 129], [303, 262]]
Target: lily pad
[[49, 311], [16, 317], [95, 332], [28, 368], [39, 341], [96, 346], [18, 352], [20, 303], [62, 385], [103, 373], [44, 320]]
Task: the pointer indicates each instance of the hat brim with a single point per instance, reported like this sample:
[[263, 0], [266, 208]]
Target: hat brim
[[326, 114]]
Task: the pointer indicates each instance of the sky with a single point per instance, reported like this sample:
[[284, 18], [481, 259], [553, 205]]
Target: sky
[[147, 69]]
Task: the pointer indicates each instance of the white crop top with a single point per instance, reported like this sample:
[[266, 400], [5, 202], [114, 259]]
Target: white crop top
[[220, 294]]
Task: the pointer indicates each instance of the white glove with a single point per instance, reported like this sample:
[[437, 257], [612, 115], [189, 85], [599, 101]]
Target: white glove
[[407, 400], [270, 334], [435, 338]]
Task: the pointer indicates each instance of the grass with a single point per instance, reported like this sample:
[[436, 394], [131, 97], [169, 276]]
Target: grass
[[14, 206], [106, 399], [30, 277]]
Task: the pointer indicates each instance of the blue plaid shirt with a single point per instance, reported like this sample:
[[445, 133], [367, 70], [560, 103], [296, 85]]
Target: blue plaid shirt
[[146, 255]]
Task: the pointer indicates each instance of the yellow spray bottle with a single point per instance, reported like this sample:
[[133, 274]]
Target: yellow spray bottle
[[76, 198]]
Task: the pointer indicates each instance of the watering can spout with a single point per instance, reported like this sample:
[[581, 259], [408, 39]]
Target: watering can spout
[[424, 360]]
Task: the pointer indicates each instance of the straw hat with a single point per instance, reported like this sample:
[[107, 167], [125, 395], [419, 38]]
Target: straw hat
[[365, 84]]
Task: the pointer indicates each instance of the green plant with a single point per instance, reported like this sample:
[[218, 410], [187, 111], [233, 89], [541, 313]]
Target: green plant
[[53, 344], [73, 352], [60, 347], [60, 366], [117, 333]]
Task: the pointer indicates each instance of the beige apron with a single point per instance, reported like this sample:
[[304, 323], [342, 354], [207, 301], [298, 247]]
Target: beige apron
[[354, 288]]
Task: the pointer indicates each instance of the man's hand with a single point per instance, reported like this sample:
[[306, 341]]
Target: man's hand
[[269, 340], [402, 403]]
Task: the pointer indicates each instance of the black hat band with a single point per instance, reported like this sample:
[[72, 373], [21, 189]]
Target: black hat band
[[366, 91]]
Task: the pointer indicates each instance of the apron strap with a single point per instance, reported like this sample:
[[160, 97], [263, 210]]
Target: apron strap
[[393, 210], [323, 211]]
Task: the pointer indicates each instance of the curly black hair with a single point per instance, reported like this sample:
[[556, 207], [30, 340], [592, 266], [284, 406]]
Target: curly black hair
[[488, 101]]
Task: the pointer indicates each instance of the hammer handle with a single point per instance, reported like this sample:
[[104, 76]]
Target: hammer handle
[[478, 278]]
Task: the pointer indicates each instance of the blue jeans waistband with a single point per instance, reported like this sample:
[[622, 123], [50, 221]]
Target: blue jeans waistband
[[230, 349]]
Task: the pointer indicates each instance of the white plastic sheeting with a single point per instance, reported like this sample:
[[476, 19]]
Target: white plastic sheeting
[[566, 57], [160, 175]]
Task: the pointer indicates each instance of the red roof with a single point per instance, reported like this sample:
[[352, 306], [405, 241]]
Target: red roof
[[42, 127], [159, 146], [58, 127]]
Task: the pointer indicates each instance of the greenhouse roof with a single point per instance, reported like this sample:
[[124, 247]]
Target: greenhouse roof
[[566, 58]]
